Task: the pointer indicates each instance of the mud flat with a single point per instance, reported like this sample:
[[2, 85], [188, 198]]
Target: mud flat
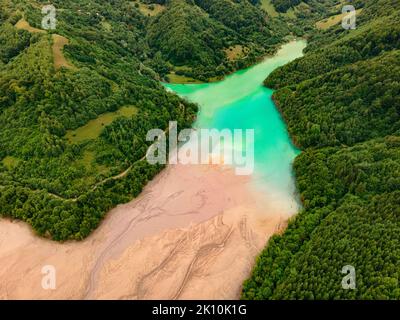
[[193, 233]]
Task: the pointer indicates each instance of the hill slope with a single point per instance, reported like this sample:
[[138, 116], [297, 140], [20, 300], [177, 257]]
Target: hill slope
[[61, 186], [342, 105]]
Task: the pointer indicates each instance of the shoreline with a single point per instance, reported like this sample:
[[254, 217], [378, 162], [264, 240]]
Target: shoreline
[[292, 138], [179, 239], [258, 60]]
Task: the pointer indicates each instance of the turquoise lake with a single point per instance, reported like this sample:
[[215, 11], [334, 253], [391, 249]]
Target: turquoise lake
[[240, 101]]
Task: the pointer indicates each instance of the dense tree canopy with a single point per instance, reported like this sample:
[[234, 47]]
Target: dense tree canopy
[[341, 103], [195, 34], [63, 188]]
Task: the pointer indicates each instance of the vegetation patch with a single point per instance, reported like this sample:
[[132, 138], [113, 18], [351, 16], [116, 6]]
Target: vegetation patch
[[58, 44], [236, 52], [149, 10], [59, 59], [332, 21], [269, 8], [24, 25], [177, 78], [10, 162], [107, 26], [94, 127], [88, 161]]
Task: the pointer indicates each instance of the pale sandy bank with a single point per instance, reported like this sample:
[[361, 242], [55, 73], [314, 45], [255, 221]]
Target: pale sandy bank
[[193, 233]]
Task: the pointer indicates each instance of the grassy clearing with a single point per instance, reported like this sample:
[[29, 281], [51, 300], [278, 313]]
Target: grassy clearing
[[59, 60], [106, 26], [333, 20], [58, 44], [93, 170], [94, 127], [291, 13], [149, 10], [341, 4], [182, 68], [236, 52], [24, 25], [176, 78], [10, 162], [216, 79], [87, 161], [269, 8]]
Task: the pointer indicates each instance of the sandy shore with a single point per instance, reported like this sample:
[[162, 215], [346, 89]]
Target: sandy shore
[[192, 234]]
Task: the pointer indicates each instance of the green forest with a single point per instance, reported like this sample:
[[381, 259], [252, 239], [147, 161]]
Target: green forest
[[61, 187], [99, 72], [341, 102]]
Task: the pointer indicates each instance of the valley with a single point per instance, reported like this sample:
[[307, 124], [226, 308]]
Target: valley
[[78, 195], [187, 226]]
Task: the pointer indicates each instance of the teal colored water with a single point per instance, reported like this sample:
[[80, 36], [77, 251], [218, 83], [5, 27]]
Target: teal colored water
[[242, 102]]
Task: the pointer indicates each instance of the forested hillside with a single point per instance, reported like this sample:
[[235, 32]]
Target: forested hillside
[[341, 102], [53, 173], [196, 37]]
